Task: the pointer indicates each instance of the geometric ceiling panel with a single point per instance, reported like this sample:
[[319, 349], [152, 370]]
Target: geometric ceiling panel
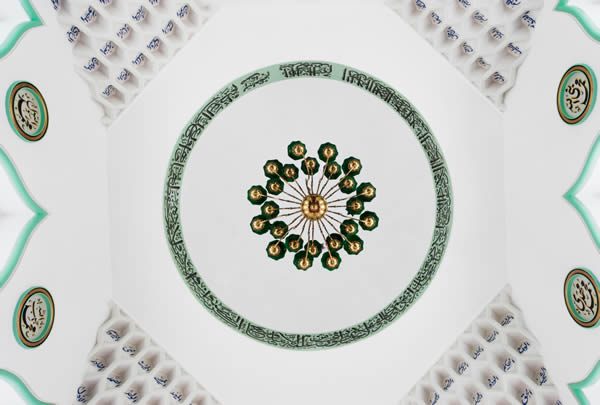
[[485, 40], [126, 366], [119, 46], [495, 361]]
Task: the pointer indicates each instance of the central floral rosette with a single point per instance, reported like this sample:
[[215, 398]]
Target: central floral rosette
[[294, 208]]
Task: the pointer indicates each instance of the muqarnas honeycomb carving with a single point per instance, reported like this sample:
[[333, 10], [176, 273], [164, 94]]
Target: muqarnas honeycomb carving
[[495, 361], [120, 45], [487, 40], [127, 367]]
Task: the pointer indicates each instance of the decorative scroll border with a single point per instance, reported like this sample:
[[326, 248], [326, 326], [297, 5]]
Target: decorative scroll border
[[571, 194], [582, 18], [272, 74], [20, 388], [19, 30], [38, 215]]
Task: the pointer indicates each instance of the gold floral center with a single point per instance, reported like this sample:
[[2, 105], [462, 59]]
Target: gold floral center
[[314, 207]]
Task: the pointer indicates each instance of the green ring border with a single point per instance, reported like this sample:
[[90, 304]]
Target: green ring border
[[560, 101], [286, 71], [41, 100], [568, 303], [47, 328], [581, 16], [571, 194], [19, 30], [21, 388], [38, 215]]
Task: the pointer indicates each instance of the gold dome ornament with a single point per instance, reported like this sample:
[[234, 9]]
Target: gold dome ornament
[[303, 212]]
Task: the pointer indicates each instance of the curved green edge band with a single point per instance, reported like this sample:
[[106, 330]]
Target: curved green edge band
[[19, 30], [578, 387], [571, 195], [39, 214], [582, 17], [20, 388]]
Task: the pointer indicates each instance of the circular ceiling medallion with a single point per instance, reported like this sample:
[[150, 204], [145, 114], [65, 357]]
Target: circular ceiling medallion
[[27, 111], [34, 317], [319, 202], [333, 120], [576, 94], [581, 297]]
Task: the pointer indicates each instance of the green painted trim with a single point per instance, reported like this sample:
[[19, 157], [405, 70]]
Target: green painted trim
[[24, 236], [19, 30], [582, 18], [21, 388], [47, 327], [318, 70], [571, 194], [578, 387]]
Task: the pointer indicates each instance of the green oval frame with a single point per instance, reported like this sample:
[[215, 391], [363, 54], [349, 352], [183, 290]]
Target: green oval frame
[[37, 94], [560, 102], [567, 294], [287, 71], [47, 327]]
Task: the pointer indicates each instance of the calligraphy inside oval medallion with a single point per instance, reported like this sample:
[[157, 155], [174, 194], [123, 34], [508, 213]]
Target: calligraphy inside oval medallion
[[27, 111], [576, 94], [34, 317], [581, 293]]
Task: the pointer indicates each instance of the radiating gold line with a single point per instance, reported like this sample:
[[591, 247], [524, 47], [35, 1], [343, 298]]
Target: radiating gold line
[[324, 238], [338, 183]]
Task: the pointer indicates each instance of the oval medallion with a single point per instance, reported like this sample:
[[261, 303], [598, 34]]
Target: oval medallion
[[34, 317], [581, 297], [27, 111], [576, 94]]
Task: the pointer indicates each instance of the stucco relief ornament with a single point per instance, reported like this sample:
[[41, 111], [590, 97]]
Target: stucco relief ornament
[[18, 16], [307, 208], [586, 12]]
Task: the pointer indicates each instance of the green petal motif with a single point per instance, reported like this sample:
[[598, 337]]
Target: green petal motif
[[276, 249], [257, 195], [310, 166], [296, 150], [19, 28], [331, 261], [20, 388], [578, 388], [21, 237], [260, 225], [587, 17], [303, 261], [352, 166], [273, 169], [577, 193], [328, 152]]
